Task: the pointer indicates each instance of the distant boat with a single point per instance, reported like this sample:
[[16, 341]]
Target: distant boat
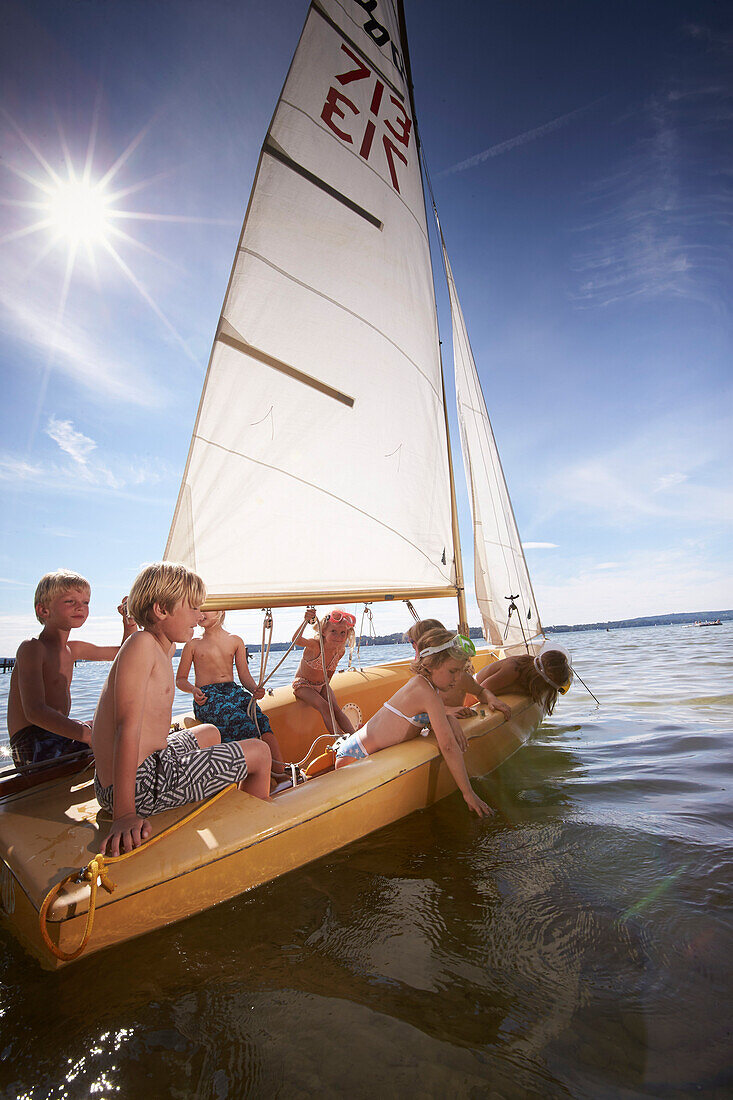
[[709, 622]]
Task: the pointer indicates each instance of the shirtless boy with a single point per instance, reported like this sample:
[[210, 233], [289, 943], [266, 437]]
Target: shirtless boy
[[140, 770], [40, 685], [216, 697]]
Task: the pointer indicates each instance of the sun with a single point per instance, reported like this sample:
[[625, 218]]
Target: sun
[[79, 211], [75, 208]]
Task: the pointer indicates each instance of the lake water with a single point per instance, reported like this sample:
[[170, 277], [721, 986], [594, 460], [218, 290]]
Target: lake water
[[579, 944]]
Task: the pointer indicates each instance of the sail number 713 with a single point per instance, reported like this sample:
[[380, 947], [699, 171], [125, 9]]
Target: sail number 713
[[340, 115]]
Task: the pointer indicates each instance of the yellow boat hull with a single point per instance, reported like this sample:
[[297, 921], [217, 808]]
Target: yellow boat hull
[[238, 842]]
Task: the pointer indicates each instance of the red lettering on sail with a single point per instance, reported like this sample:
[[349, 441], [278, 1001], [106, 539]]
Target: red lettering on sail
[[366, 145], [399, 125], [405, 123], [331, 107], [359, 73], [392, 151], [376, 98]]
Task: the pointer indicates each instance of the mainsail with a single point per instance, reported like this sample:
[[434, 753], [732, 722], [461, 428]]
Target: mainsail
[[318, 468], [503, 588]]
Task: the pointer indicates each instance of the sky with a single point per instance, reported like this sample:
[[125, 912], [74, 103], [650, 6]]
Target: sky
[[581, 157]]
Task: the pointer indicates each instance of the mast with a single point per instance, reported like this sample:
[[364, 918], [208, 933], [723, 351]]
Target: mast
[[457, 555]]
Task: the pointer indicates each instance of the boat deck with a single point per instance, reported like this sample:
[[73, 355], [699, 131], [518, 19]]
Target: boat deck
[[238, 841]]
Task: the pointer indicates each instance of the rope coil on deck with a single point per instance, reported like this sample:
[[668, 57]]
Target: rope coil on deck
[[95, 874]]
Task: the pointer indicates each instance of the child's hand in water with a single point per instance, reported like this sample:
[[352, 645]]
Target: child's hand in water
[[478, 805], [198, 696]]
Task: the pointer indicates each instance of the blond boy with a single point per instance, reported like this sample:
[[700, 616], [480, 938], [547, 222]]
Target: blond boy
[[40, 686], [216, 697], [140, 769]]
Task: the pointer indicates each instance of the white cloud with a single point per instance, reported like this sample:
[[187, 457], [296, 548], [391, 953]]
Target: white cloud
[[71, 441], [647, 583], [676, 468], [539, 545], [520, 139], [668, 481], [15, 470], [31, 314], [81, 478], [659, 227], [79, 446]]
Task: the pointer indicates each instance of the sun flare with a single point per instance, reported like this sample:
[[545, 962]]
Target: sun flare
[[78, 211], [75, 209]]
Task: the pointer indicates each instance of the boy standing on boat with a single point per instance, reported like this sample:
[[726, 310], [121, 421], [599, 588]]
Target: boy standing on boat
[[216, 697], [40, 685], [140, 769]]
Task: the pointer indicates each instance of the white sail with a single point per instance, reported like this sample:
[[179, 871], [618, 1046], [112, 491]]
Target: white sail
[[500, 569], [318, 464]]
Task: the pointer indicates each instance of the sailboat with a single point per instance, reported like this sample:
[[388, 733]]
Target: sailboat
[[319, 472]]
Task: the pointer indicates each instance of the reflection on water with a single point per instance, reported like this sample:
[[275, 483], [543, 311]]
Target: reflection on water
[[578, 944]]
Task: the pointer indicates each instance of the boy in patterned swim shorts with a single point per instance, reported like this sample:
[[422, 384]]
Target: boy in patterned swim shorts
[[216, 696], [140, 769]]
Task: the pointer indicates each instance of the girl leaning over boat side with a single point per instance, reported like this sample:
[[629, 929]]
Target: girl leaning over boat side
[[467, 684], [540, 677], [439, 666]]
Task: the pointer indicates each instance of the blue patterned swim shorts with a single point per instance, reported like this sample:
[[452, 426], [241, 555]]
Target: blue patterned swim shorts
[[352, 745], [226, 708]]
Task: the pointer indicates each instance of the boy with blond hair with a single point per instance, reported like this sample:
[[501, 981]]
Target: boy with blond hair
[[140, 769], [40, 686], [216, 696]]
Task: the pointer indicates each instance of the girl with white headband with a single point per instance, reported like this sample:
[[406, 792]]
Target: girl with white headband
[[467, 684], [438, 667], [540, 677]]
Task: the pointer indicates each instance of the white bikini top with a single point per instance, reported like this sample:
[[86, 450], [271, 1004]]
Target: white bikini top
[[420, 719]]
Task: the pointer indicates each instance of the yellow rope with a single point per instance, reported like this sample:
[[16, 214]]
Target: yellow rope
[[317, 627], [95, 874], [95, 870]]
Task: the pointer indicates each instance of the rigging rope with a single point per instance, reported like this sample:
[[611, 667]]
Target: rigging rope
[[412, 610], [252, 706], [513, 607], [95, 874], [317, 626], [366, 614]]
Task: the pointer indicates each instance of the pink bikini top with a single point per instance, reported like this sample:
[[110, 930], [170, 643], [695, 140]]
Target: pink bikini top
[[318, 667]]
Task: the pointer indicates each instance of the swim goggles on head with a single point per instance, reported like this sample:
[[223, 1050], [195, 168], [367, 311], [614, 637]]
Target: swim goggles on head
[[456, 642], [339, 616], [562, 688]]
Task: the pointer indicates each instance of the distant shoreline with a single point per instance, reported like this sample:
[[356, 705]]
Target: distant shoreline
[[676, 619], [617, 624]]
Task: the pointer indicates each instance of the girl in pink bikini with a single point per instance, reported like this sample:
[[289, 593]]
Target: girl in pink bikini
[[311, 683]]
